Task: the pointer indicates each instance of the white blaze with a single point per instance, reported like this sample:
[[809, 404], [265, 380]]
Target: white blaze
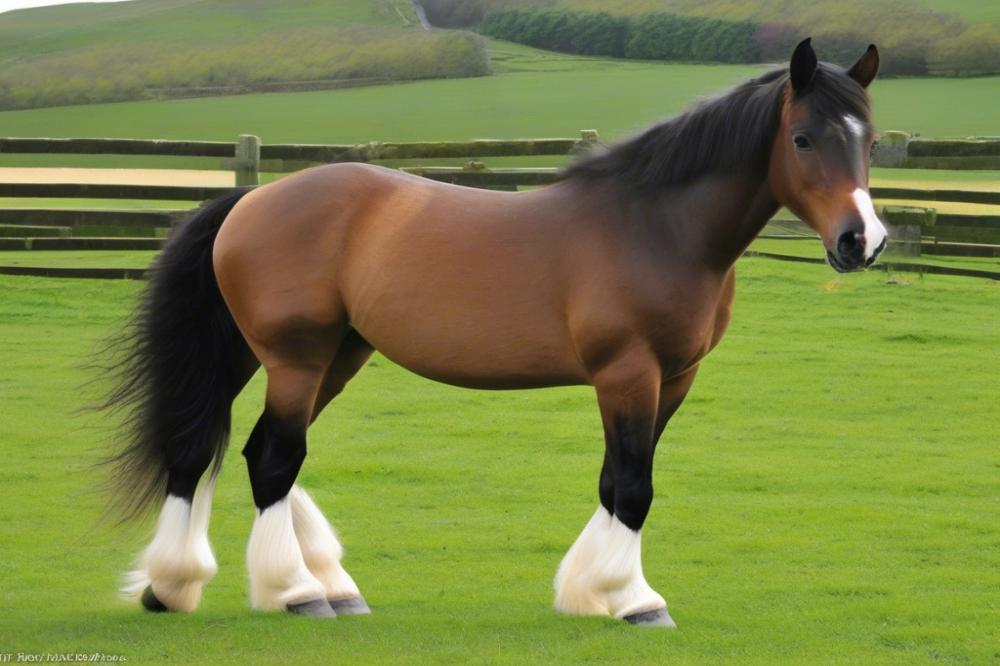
[[875, 231], [854, 126]]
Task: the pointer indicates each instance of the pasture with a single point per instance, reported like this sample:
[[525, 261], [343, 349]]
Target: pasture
[[535, 94], [150, 49], [827, 494]]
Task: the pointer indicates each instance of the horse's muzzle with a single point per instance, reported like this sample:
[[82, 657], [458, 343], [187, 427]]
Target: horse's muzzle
[[850, 253]]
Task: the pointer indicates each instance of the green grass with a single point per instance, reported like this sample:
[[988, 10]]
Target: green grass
[[827, 494], [544, 96], [78, 258], [978, 11], [813, 248], [946, 180], [67, 28], [154, 48]]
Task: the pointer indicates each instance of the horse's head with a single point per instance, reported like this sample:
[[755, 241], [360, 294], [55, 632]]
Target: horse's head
[[819, 161]]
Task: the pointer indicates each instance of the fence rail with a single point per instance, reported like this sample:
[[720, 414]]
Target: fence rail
[[152, 147], [902, 151], [915, 229], [248, 153]]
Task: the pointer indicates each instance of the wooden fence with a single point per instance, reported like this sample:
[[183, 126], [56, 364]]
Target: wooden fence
[[920, 229], [248, 157], [900, 150]]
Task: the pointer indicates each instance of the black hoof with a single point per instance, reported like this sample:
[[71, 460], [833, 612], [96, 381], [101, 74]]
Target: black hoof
[[654, 618], [350, 606], [151, 603], [314, 608]]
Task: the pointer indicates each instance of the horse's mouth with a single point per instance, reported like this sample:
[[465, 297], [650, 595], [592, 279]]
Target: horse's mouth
[[838, 265], [877, 252]]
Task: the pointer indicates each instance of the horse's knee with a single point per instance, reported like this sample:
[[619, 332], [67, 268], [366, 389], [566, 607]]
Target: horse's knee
[[274, 455]]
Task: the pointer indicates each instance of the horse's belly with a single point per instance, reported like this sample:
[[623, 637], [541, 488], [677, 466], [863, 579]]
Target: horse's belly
[[476, 348]]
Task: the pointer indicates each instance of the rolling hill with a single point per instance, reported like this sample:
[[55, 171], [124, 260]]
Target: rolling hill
[[159, 48], [918, 37]]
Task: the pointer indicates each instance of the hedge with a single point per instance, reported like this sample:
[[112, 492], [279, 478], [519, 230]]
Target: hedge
[[655, 36]]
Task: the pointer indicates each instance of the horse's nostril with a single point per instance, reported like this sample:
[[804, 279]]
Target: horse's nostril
[[850, 245]]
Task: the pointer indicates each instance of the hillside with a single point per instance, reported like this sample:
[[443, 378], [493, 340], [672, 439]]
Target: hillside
[[917, 37], [465, 13], [155, 48]]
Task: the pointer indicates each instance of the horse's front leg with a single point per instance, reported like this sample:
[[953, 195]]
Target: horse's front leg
[[602, 572]]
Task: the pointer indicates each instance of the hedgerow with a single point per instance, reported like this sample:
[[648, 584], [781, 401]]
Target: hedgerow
[[648, 37], [913, 39]]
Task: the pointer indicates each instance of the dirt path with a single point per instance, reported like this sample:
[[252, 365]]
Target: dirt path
[[176, 177]]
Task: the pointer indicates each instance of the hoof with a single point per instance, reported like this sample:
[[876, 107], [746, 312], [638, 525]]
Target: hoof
[[151, 603], [654, 618], [314, 608], [350, 606]]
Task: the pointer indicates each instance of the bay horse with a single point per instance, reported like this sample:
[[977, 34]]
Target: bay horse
[[618, 276]]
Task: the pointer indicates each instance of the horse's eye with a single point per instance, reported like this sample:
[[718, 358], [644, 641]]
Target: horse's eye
[[802, 142]]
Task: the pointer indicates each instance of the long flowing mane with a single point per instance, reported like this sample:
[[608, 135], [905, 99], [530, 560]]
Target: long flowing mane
[[730, 133]]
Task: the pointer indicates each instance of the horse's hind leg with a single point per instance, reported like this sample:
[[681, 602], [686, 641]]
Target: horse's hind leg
[[320, 547], [279, 577], [179, 561]]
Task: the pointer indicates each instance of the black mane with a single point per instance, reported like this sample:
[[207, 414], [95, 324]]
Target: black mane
[[731, 133]]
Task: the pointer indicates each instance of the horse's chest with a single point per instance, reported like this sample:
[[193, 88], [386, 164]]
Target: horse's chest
[[685, 334]]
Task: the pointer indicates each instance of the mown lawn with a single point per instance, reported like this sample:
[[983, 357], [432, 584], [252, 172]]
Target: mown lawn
[[827, 494]]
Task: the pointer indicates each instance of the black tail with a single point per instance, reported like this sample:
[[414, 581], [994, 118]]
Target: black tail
[[179, 364]]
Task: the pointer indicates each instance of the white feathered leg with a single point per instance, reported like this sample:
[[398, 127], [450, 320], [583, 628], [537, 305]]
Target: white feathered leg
[[279, 578], [602, 575], [322, 553], [179, 561]]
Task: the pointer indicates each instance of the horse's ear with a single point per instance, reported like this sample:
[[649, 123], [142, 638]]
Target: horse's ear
[[866, 68], [803, 67]]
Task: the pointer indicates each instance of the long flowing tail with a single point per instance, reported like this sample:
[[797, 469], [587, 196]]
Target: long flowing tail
[[179, 364]]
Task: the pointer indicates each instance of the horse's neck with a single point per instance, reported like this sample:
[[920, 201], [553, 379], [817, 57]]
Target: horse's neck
[[715, 218]]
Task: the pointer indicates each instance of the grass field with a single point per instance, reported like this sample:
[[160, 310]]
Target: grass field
[[827, 494], [536, 94], [148, 49], [811, 248], [979, 11], [142, 259]]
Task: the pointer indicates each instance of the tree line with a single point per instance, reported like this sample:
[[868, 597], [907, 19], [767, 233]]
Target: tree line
[[913, 39]]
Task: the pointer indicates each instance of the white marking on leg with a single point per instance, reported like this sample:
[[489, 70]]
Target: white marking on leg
[[875, 232], [179, 560], [321, 549], [602, 572], [278, 572]]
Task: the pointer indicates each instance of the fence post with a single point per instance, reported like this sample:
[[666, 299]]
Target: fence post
[[891, 150], [247, 162], [906, 225]]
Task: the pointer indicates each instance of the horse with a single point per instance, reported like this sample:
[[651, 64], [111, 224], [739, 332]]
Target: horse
[[619, 276]]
